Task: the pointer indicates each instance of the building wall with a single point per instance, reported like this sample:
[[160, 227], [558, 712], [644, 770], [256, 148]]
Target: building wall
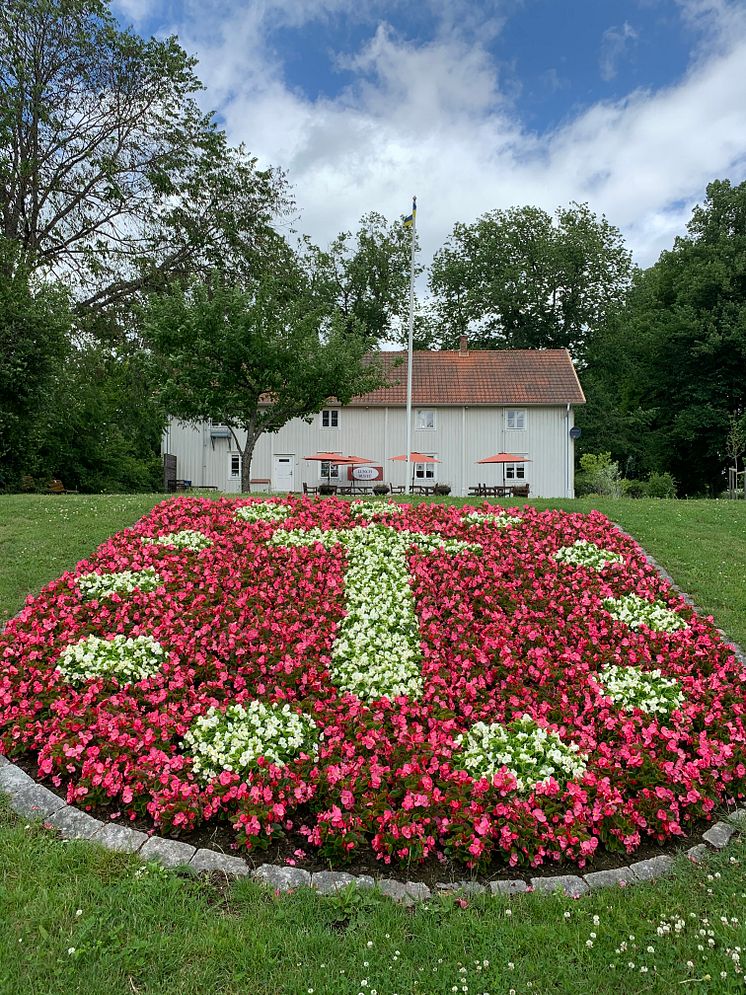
[[462, 435]]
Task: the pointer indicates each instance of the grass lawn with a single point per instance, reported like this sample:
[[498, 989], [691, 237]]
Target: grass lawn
[[79, 919]]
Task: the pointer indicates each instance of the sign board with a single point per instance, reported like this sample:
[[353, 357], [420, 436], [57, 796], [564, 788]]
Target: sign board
[[575, 432], [366, 472]]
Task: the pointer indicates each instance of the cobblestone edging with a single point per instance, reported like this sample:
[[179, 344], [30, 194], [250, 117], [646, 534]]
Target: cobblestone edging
[[33, 800]]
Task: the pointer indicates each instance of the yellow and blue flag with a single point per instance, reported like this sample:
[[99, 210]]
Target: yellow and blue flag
[[410, 218]]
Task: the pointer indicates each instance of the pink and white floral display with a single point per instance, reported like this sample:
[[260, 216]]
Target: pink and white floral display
[[421, 682]]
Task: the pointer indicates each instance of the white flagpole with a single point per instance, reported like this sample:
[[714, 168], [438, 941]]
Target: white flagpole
[[410, 347]]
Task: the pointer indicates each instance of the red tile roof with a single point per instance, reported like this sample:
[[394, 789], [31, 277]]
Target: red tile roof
[[478, 377]]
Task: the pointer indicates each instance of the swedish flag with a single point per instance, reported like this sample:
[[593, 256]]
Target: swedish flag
[[410, 218]]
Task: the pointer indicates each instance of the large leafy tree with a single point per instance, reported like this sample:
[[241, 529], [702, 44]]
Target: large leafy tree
[[520, 279], [34, 321], [672, 375], [110, 174], [253, 358], [365, 275]]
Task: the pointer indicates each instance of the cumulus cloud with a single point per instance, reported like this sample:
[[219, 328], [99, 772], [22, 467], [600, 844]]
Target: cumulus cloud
[[434, 118]]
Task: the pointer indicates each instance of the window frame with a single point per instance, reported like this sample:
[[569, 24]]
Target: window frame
[[515, 471], [333, 416], [235, 458], [520, 415], [425, 428], [425, 473], [330, 473]]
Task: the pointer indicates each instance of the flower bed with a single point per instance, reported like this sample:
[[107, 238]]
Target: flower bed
[[430, 682]]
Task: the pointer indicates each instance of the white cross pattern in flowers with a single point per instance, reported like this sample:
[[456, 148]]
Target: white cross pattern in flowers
[[376, 650]]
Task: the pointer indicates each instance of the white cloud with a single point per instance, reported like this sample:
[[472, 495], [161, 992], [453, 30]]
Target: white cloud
[[614, 44], [433, 119]]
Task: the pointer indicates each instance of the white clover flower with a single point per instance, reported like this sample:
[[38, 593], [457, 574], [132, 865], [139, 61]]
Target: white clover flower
[[234, 738], [630, 687], [124, 657], [186, 539], [263, 511], [636, 611], [587, 554], [95, 585], [530, 753]]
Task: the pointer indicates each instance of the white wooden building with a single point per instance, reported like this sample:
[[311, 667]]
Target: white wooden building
[[467, 405]]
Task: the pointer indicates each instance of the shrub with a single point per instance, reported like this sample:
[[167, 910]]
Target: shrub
[[599, 474], [634, 488], [661, 485]]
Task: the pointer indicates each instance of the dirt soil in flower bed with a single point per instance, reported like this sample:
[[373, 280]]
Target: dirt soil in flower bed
[[430, 692]]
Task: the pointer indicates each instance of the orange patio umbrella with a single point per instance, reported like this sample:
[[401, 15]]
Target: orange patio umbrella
[[414, 458], [504, 458], [333, 459]]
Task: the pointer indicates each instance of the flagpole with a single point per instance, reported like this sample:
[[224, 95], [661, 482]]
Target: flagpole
[[410, 349]]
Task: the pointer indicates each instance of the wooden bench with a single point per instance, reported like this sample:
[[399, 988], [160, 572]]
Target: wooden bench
[[57, 487]]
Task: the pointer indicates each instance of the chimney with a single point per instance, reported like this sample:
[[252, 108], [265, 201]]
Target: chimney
[[463, 346]]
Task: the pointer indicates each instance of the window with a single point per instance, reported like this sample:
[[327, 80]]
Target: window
[[515, 419], [515, 471], [424, 419], [235, 465], [329, 471], [330, 418], [425, 471]]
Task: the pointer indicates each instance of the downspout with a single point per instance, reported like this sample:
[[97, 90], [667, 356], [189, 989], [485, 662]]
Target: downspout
[[463, 451], [567, 450], [204, 453]]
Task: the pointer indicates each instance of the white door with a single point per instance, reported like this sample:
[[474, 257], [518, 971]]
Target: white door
[[283, 473]]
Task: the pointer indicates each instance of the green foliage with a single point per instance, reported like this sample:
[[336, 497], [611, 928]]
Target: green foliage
[[105, 430], [661, 485], [34, 321], [599, 474], [110, 172], [253, 359], [365, 277], [519, 279], [665, 381]]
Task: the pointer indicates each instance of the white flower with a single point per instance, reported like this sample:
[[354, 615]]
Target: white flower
[[233, 739], [650, 691], [531, 754], [499, 518], [263, 511], [96, 585], [186, 539], [125, 657], [587, 554], [636, 611]]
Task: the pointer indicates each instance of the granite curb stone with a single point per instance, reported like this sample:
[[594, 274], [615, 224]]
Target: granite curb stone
[[719, 835], [571, 884], [282, 878], [170, 853], [74, 824], [212, 860], [116, 837], [699, 852], [606, 879], [515, 887], [655, 867], [36, 801]]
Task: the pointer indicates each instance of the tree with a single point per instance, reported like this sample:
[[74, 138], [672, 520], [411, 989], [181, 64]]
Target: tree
[[366, 276], [34, 322], [253, 359], [518, 279], [679, 354], [104, 432], [109, 172]]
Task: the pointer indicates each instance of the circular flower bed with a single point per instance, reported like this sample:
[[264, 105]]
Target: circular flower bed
[[428, 682]]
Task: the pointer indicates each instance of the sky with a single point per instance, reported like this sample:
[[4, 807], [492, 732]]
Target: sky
[[473, 105]]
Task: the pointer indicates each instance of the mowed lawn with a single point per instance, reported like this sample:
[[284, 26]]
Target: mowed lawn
[[79, 919]]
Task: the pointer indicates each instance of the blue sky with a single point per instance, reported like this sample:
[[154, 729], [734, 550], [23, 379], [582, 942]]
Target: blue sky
[[633, 106]]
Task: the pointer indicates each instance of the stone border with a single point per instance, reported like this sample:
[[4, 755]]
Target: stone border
[[33, 800]]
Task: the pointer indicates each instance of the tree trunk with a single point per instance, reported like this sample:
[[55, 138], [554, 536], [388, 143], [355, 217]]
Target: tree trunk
[[252, 437]]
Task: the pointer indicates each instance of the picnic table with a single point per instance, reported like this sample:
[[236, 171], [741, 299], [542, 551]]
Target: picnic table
[[500, 490]]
